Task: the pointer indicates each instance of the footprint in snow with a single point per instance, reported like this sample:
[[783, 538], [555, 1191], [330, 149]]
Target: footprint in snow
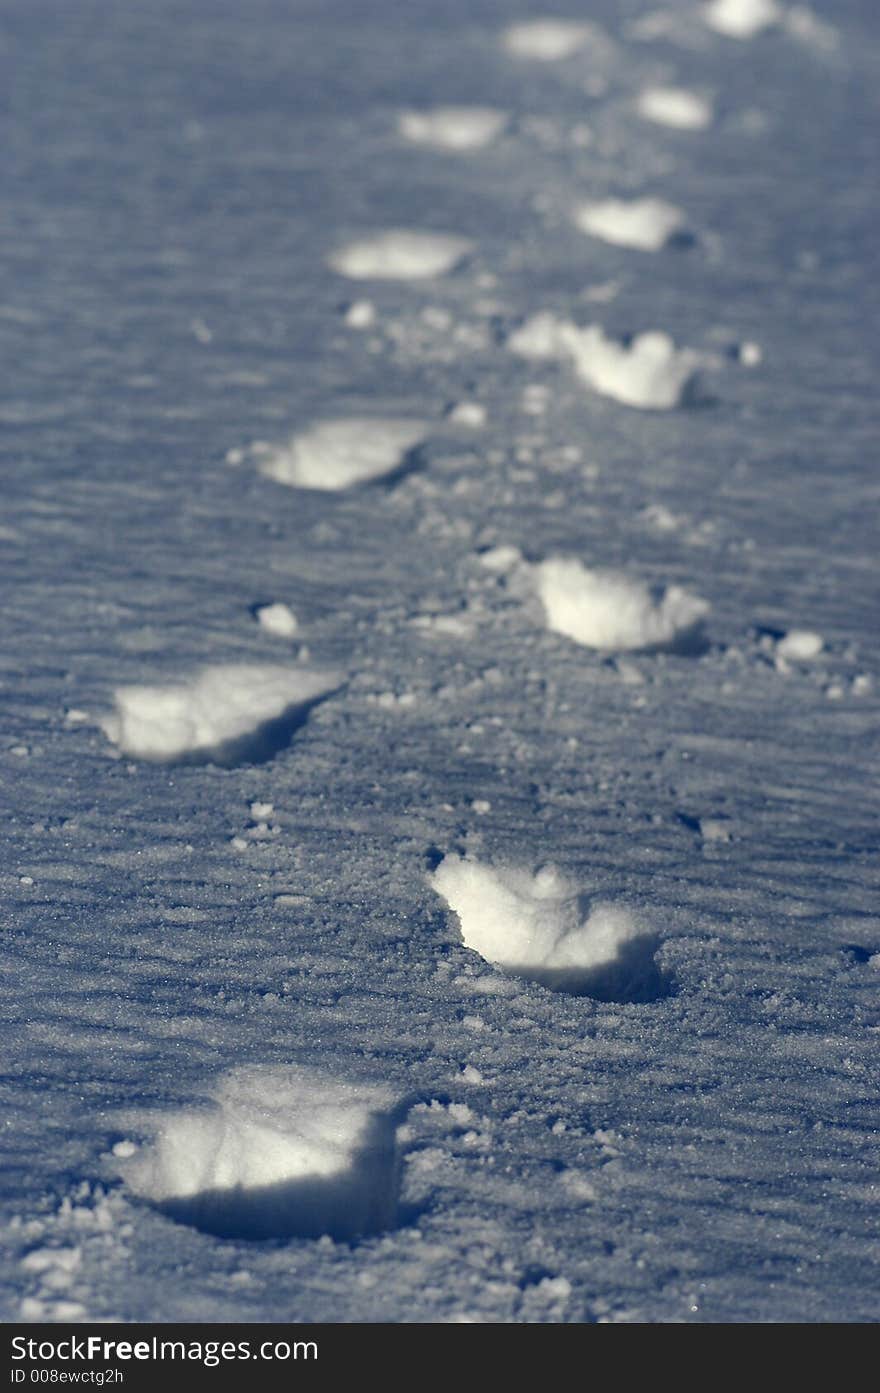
[[741, 19], [456, 128], [539, 927], [276, 1153], [226, 714], [337, 454], [401, 255], [645, 224], [613, 612], [675, 107], [648, 373], [547, 40]]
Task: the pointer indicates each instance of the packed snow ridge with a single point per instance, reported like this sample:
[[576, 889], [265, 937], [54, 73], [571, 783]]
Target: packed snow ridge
[[226, 714], [401, 255], [336, 454], [675, 107], [741, 19], [538, 926], [611, 611], [279, 1153], [547, 40], [649, 372], [646, 224], [458, 128]]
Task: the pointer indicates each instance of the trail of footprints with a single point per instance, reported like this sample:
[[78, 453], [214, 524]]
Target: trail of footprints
[[279, 1153]]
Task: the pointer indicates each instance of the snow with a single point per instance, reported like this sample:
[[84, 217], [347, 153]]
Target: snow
[[644, 223], [224, 713], [400, 255], [741, 19], [457, 128], [234, 948], [675, 107], [547, 40], [277, 1153], [277, 619], [607, 610], [800, 645], [534, 926], [337, 454], [649, 373]]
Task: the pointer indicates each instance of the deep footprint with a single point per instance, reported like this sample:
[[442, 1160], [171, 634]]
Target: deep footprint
[[281, 1153], [538, 927]]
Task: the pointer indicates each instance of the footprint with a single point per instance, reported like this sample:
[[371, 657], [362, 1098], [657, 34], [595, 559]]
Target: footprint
[[336, 454], [646, 224], [648, 373], [611, 611], [226, 714], [675, 107], [538, 927], [457, 128], [279, 1153], [547, 40], [741, 19], [401, 255]]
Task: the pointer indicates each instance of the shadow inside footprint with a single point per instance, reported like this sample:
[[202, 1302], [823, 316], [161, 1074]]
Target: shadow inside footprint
[[259, 745], [633, 976], [351, 1204]]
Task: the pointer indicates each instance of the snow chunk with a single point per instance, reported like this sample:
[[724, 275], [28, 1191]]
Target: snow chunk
[[230, 713], [547, 40], [673, 106], [644, 223], [608, 610], [537, 926], [650, 373], [741, 19], [278, 620], [400, 255], [800, 645], [458, 128], [360, 314], [281, 1153], [335, 454]]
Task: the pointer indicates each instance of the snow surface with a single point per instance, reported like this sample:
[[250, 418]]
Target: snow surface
[[190, 943]]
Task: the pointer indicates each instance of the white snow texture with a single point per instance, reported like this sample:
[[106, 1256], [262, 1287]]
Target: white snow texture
[[458, 128], [643, 223]]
